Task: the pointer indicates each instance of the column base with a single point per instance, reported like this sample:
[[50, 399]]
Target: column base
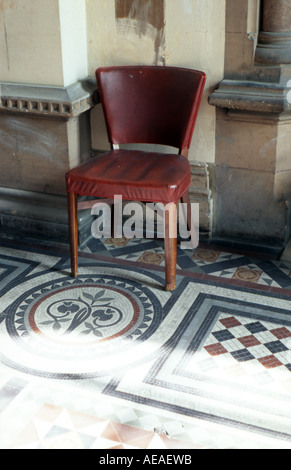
[[273, 48], [28, 214]]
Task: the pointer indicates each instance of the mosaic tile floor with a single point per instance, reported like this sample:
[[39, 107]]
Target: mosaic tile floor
[[112, 361]]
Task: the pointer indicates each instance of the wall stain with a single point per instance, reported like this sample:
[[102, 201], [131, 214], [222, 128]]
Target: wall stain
[[6, 6], [145, 13], [6, 42]]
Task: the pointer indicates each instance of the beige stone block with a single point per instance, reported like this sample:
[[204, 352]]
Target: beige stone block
[[245, 205], [282, 185], [254, 15], [202, 148], [36, 153], [98, 129], [31, 50], [43, 42], [246, 145], [73, 26], [236, 15], [242, 15], [239, 52], [199, 180], [283, 162], [205, 209], [286, 255]]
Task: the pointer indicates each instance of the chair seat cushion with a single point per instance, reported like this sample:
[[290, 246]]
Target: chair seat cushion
[[135, 175]]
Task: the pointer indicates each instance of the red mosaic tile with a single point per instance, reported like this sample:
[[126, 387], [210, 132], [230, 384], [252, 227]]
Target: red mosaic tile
[[249, 341], [270, 362], [230, 322], [127, 433], [216, 349], [110, 433], [281, 333]]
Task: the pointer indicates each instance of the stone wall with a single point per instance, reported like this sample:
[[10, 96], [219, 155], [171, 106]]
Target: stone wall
[[241, 169], [186, 33], [253, 179], [47, 52], [45, 100]]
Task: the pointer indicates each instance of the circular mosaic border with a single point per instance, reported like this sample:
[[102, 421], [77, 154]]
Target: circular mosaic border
[[91, 326]]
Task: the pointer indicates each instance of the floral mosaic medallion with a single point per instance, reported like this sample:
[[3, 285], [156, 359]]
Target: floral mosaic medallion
[[79, 328]]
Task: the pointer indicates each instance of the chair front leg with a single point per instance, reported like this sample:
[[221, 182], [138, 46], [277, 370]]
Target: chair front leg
[[73, 228], [170, 245]]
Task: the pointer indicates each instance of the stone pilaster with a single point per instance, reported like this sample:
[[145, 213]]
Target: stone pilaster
[[45, 102], [253, 165]]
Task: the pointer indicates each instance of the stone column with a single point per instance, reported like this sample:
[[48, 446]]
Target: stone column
[[45, 101], [274, 42]]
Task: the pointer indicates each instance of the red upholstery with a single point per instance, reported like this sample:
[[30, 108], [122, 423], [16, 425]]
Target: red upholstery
[[148, 104], [143, 104], [135, 175]]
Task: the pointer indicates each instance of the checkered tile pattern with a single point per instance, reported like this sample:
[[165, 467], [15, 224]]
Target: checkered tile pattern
[[246, 340]]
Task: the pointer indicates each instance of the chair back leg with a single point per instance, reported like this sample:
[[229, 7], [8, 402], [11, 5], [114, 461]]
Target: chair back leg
[[186, 200], [170, 246], [73, 227]]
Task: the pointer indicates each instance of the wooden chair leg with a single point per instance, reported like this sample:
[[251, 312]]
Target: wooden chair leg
[[112, 220], [73, 227], [186, 200], [191, 224], [171, 246]]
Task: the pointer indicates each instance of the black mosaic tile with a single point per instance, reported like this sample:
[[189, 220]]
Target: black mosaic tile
[[276, 346], [242, 355], [223, 335], [256, 327]]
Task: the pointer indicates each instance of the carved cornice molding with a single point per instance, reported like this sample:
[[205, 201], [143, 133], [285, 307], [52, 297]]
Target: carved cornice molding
[[253, 97], [51, 102]]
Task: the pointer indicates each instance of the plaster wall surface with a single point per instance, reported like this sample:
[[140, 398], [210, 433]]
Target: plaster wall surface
[[185, 33], [30, 46], [43, 42]]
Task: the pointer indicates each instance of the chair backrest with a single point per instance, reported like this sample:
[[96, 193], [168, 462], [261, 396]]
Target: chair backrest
[[150, 104]]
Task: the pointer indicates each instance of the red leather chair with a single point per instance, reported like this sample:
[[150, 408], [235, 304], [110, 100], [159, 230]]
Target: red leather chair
[[142, 104]]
